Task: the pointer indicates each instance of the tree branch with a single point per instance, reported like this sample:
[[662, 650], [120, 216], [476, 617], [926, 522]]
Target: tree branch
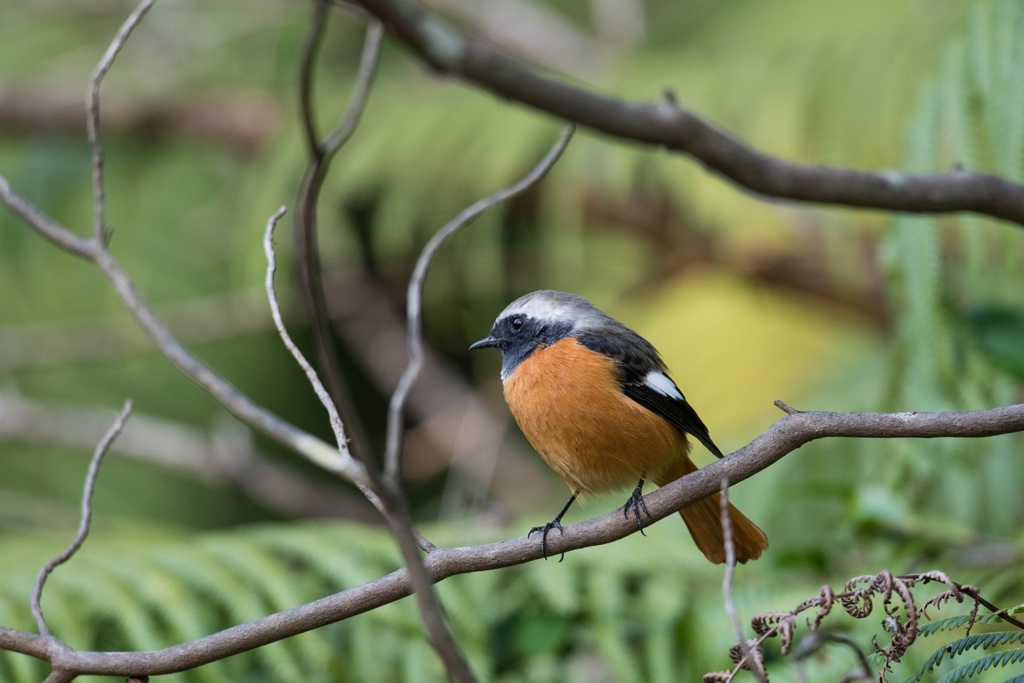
[[92, 105], [665, 124], [783, 437], [307, 251], [86, 518], [756, 665]]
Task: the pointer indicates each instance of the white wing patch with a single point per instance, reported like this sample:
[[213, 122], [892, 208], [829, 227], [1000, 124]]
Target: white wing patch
[[659, 381]]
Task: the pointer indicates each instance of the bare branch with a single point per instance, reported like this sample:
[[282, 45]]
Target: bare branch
[[92, 103], [85, 520], [53, 231], [61, 676], [392, 454], [756, 665], [783, 437], [238, 122], [336, 426], [367, 71], [307, 251], [665, 124]]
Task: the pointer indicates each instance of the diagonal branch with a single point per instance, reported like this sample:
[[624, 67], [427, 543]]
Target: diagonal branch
[[86, 519], [782, 438], [666, 124]]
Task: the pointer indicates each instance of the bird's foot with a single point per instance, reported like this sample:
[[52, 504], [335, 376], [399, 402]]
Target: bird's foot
[[553, 524], [636, 505]]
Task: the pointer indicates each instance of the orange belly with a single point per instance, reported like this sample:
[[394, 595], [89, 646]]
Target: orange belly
[[568, 404]]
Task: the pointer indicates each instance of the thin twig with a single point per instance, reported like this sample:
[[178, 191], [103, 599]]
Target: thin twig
[[367, 70], [730, 562], [392, 453], [60, 676], [755, 665], [86, 519], [336, 425], [92, 104], [307, 59], [307, 251]]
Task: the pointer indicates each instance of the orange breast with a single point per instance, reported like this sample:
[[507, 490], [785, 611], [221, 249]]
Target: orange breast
[[566, 400]]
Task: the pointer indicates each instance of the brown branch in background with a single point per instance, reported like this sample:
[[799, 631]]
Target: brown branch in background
[[92, 105], [240, 122], [414, 302], [532, 29], [307, 252], [224, 457], [86, 517], [783, 437], [666, 124], [814, 642]]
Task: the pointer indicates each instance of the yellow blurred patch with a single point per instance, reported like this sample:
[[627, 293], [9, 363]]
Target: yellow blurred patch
[[734, 347]]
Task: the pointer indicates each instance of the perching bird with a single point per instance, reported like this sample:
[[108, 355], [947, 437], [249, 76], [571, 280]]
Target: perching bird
[[595, 400]]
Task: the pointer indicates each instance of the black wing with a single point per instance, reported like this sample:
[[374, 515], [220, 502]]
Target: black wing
[[637, 358], [677, 411]]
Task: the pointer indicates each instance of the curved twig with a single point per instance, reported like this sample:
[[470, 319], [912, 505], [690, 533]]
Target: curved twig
[[85, 520], [307, 253], [393, 448], [92, 105]]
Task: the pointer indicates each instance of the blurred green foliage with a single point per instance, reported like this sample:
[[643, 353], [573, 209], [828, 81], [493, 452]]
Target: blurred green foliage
[[650, 236]]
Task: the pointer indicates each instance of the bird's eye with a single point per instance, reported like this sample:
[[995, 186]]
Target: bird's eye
[[516, 324]]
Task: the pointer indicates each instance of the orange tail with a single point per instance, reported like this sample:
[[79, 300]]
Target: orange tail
[[704, 520]]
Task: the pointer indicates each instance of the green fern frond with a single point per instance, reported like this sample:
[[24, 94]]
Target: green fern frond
[[983, 641], [956, 622], [972, 669]]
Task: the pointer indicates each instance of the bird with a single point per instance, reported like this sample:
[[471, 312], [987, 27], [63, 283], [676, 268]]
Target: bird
[[595, 400]]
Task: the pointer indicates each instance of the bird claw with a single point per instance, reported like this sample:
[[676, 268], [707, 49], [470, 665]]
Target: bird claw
[[636, 504], [553, 524]]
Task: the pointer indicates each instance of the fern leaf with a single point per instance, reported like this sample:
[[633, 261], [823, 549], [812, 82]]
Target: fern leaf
[[955, 622], [972, 669]]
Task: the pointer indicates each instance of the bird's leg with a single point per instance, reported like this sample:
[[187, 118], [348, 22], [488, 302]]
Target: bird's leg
[[556, 523], [635, 504]]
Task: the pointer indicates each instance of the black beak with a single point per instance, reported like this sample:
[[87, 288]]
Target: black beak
[[485, 344]]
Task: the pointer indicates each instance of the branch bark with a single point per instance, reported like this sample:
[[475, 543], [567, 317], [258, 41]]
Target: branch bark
[[782, 438], [666, 124]]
